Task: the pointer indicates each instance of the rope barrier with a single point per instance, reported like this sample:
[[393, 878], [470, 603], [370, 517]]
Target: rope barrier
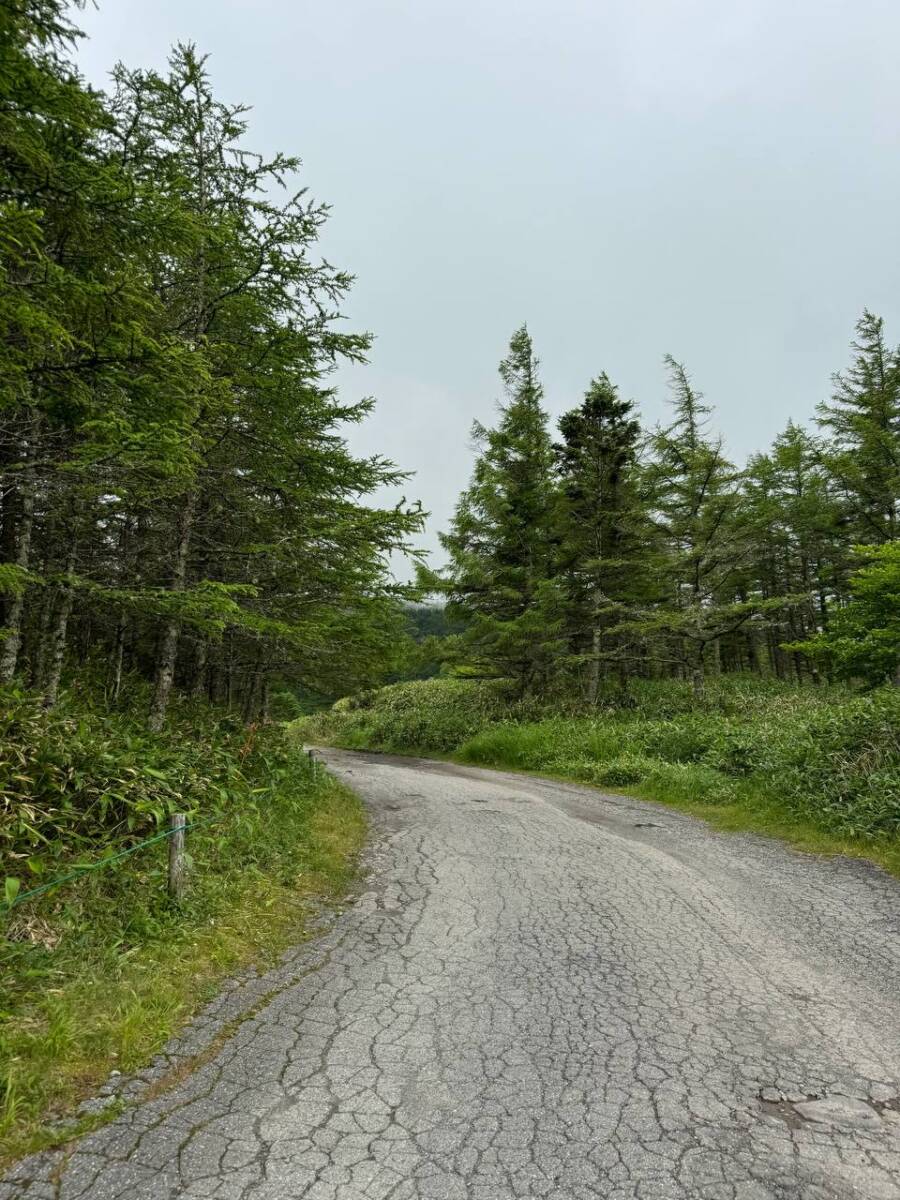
[[5, 906]]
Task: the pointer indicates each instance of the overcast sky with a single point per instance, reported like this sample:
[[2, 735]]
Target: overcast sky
[[631, 177]]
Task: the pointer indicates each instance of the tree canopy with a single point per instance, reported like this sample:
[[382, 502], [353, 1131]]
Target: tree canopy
[[178, 497], [647, 552]]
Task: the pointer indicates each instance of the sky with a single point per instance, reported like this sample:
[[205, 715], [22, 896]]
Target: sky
[[718, 181]]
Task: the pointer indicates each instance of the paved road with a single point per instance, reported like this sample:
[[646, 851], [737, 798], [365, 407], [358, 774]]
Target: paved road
[[545, 992]]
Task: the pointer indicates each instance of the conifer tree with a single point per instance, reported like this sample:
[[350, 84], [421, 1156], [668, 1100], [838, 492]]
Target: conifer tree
[[272, 483], [863, 425], [702, 543], [792, 518], [177, 495], [863, 640], [602, 528], [501, 578], [81, 369]]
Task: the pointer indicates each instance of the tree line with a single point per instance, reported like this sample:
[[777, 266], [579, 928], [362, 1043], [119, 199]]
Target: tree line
[[607, 550], [176, 497]]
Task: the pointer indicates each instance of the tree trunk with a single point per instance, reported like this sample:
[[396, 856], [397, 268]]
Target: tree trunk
[[130, 574], [774, 655], [38, 672], [250, 705], [698, 674], [594, 665], [11, 644], [823, 607], [167, 652], [199, 680], [118, 656], [57, 639]]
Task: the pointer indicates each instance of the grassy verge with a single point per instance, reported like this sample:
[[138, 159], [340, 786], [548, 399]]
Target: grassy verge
[[98, 974], [817, 768]]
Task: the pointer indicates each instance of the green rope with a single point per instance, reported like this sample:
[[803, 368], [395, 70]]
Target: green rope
[[104, 862]]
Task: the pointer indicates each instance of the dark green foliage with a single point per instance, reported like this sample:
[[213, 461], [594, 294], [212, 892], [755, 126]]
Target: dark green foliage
[[603, 530], [427, 715], [694, 497], [175, 488], [798, 543], [863, 638], [635, 556], [502, 580], [863, 424], [431, 640], [81, 779]]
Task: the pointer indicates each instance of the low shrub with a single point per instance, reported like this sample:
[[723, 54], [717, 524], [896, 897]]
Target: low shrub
[[81, 776], [687, 783], [426, 714], [625, 771]]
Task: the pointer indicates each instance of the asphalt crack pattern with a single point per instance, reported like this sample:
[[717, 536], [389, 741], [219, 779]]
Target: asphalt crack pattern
[[544, 992]]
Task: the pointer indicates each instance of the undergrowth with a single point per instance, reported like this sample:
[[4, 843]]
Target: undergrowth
[[98, 974], [828, 758]]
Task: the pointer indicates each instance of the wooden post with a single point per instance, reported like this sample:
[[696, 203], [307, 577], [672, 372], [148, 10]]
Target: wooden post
[[177, 862]]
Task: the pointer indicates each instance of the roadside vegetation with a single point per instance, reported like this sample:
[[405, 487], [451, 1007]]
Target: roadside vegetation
[[97, 974], [820, 767]]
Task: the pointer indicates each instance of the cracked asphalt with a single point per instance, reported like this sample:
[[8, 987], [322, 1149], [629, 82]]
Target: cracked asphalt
[[541, 991]]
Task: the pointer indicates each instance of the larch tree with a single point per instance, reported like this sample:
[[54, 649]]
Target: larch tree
[[80, 361], [862, 423], [267, 536], [863, 640], [695, 499], [177, 498]]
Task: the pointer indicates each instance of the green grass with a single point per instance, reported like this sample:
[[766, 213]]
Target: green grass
[[819, 768], [98, 974]]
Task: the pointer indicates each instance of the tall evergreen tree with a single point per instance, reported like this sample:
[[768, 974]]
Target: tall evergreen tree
[[176, 490], [863, 423], [268, 519], [84, 379], [792, 518], [501, 542], [863, 640], [702, 543], [601, 527]]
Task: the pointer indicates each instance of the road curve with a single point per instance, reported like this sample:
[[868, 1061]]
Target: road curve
[[543, 991]]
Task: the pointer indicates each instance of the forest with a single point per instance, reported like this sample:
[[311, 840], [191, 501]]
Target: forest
[[177, 496], [178, 502], [604, 551]]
